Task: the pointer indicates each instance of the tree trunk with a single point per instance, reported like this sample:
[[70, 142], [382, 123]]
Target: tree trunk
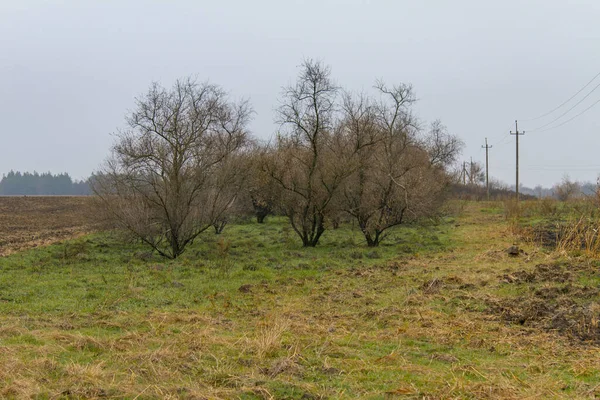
[[335, 223], [372, 240], [261, 210], [219, 226], [312, 239], [260, 217]]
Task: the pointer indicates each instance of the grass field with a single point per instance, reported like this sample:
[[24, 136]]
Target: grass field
[[436, 312]]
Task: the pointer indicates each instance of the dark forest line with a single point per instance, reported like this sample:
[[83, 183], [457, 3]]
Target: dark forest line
[[44, 184]]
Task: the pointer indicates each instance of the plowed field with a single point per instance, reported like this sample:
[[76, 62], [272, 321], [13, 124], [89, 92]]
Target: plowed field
[[27, 222]]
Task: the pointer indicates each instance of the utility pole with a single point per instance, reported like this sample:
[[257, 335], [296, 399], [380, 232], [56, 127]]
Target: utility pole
[[487, 169], [517, 134], [464, 172], [471, 173]]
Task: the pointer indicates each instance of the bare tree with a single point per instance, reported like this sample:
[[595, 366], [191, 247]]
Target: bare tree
[[178, 166], [398, 178], [263, 193], [498, 185], [379, 136], [476, 173], [305, 164], [363, 156], [567, 189], [443, 147], [232, 177]]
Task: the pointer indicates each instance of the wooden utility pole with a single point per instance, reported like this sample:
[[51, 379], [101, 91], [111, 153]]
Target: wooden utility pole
[[471, 173], [517, 134], [464, 172], [487, 169]]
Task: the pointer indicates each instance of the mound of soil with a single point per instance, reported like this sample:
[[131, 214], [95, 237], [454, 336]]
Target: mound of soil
[[546, 235], [557, 304], [549, 235], [541, 273], [434, 286]]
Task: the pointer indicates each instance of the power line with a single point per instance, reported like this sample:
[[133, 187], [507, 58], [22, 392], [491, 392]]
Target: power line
[[566, 165], [503, 141], [571, 119], [558, 169], [555, 168], [565, 102], [568, 111], [504, 136]]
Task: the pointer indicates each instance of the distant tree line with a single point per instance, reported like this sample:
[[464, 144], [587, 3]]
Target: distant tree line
[[36, 184], [498, 191], [465, 188]]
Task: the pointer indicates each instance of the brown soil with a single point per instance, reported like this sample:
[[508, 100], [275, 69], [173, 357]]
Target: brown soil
[[549, 235], [541, 273], [552, 302], [546, 235], [27, 222]]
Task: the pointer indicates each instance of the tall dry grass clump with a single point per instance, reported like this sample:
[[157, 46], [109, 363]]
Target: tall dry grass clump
[[512, 213], [511, 209], [579, 235], [269, 336]]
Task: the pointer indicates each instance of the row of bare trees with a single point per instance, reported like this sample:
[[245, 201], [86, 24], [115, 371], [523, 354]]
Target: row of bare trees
[[187, 162]]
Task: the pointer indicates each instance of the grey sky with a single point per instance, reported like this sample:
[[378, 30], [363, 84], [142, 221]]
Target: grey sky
[[69, 70]]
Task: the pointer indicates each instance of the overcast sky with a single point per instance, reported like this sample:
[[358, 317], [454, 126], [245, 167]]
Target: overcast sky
[[70, 70]]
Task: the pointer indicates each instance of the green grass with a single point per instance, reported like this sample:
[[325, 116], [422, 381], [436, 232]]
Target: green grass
[[99, 273], [250, 314]]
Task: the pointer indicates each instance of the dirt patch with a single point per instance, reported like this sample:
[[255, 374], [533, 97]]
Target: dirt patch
[[246, 288], [27, 222], [565, 316], [434, 286], [287, 365], [446, 358], [546, 235], [553, 302], [540, 273], [577, 234]]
